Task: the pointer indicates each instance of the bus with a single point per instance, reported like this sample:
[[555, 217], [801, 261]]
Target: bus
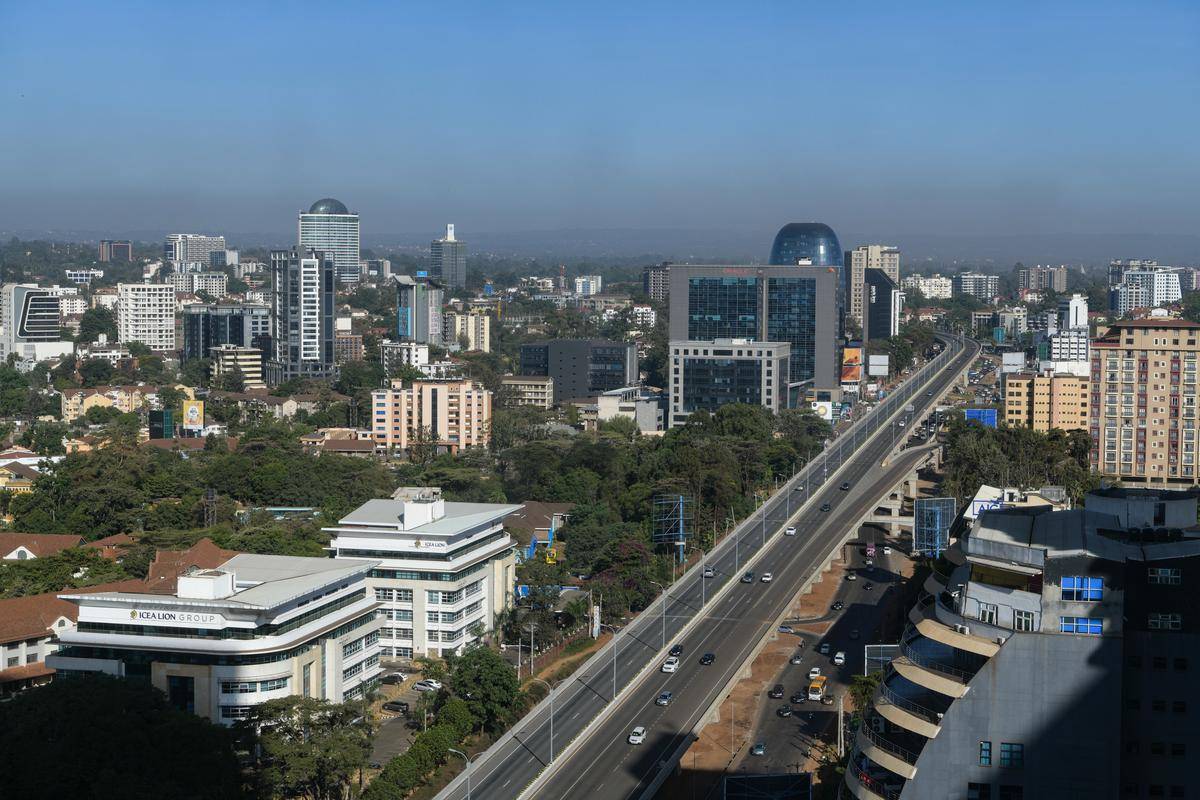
[[816, 689]]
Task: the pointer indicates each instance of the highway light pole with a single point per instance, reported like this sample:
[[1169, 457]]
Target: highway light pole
[[615, 645], [664, 611], [550, 689], [467, 769]]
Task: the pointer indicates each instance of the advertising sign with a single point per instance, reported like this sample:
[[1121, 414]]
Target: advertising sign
[[193, 414], [878, 366]]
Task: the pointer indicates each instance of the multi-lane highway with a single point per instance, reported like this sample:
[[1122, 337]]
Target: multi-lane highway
[[601, 763]]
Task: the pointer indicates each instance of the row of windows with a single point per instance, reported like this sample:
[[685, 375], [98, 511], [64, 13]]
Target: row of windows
[[366, 663], [394, 595], [1158, 662], [250, 687], [983, 791], [1165, 622], [396, 652], [1082, 588], [409, 575], [1012, 754], [1085, 625]]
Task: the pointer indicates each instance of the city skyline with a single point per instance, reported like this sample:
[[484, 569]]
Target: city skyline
[[546, 123]]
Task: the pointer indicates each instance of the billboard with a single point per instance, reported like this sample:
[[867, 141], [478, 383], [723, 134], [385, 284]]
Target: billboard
[[1012, 362], [823, 410], [932, 517], [985, 416], [193, 414], [878, 366], [852, 361]]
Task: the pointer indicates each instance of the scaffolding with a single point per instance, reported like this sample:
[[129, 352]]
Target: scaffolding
[[673, 522]]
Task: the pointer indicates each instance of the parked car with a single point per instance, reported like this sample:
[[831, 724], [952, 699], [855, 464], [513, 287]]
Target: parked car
[[839, 658], [428, 685], [887, 551], [638, 735], [784, 711], [394, 678], [664, 699], [671, 664], [397, 706], [850, 576], [786, 629], [814, 672], [797, 658], [759, 749], [824, 648], [707, 659], [799, 697], [776, 692]]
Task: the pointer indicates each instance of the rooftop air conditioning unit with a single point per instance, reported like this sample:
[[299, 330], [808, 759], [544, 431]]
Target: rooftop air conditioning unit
[[961, 629], [1000, 640]]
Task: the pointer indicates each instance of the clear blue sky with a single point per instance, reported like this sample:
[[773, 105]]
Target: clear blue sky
[[889, 117]]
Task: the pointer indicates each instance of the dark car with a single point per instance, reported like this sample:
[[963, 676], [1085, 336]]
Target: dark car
[[398, 706], [748, 577], [676, 650], [845, 487], [707, 659], [784, 711], [393, 678], [838, 605], [776, 692], [868, 586], [799, 697], [825, 507]]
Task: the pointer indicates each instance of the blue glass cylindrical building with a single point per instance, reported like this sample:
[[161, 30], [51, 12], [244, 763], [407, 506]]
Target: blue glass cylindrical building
[[812, 243]]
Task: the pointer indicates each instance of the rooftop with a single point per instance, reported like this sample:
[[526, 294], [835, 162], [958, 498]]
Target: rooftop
[[458, 517], [40, 544], [328, 205], [32, 616]]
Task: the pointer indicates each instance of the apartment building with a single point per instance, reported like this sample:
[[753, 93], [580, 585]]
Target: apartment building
[[931, 287], [706, 375], [656, 282], [857, 262], [393, 355], [447, 415], [445, 569], [587, 285], [348, 347], [1044, 401], [28, 629], [475, 329], [224, 639], [977, 284], [231, 358], [527, 390], [146, 314], [1143, 401], [213, 284], [191, 248], [1039, 277], [1052, 653], [126, 399]]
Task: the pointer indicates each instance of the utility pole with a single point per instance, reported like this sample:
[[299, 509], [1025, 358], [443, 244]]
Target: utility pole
[[841, 726], [532, 627]]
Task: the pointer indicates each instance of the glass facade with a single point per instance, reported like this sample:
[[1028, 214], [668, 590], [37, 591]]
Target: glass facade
[[712, 382], [722, 308], [792, 318], [813, 242]]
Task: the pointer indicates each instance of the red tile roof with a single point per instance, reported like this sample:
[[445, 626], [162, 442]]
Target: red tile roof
[[170, 564], [40, 544], [33, 616]]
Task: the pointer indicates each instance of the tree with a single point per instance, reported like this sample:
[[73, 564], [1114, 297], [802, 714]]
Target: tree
[[46, 438], [308, 747], [96, 372], [120, 738], [96, 321], [488, 684], [233, 380], [171, 399]]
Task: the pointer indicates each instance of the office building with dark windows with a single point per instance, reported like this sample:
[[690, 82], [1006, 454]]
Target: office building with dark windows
[[419, 310], [797, 305], [582, 367], [1052, 654], [706, 375], [209, 325], [302, 318], [448, 260], [222, 640], [882, 306], [115, 250]]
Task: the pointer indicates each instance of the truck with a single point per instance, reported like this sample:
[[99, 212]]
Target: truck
[[816, 688], [910, 408]]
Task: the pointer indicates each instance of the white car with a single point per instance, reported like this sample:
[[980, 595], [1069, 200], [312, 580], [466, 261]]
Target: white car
[[839, 658], [850, 576], [791, 531], [671, 664], [814, 673], [638, 735], [887, 551], [428, 685], [766, 577], [709, 572]]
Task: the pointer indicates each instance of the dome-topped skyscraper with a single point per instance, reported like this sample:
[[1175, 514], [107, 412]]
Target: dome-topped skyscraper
[[806, 243], [327, 205], [329, 227]]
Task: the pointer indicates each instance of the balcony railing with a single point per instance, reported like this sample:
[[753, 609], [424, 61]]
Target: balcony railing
[[908, 651], [889, 695], [888, 746]]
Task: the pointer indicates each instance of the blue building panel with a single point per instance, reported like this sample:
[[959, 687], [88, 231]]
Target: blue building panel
[[984, 416], [932, 518]]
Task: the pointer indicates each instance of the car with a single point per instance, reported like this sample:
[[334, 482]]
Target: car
[[709, 572], [799, 697], [791, 531], [785, 629], [901, 423], [825, 507], [766, 577], [929, 393], [815, 672], [707, 659], [854, 634], [664, 699], [671, 664], [759, 749], [784, 711], [887, 551], [676, 650], [797, 659], [870, 562], [637, 735], [845, 487], [838, 605], [776, 692], [850, 576], [868, 586], [398, 706], [428, 685], [824, 648], [394, 678], [826, 700], [839, 658], [748, 577]]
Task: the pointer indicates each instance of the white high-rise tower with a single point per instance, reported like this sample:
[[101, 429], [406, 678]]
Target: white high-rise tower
[[330, 228]]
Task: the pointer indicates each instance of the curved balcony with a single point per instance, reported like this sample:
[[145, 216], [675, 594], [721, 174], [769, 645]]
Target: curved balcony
[[906, 713], [934, 620], [954, 554], [930, 672], [862, 785], [886, 753]]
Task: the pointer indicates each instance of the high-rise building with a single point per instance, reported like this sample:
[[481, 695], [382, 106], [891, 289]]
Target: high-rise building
[[224, 258], [977, 284], [1048, 401], [213, 284], [526, 390], [445, 415], [302, 316], [1119, 266], [582, 367], [446, 569], [1161, 285], [348, 347], [475, 328], [706, 375], [1144, 400], [448, 260], [30, 323], [115, 250], [1073, 312], [796, 304], [1125, 297], [883, 302], [931, 287], [810, 244], [330, 228], [1052, 654], [587, 285], [146, 314], [231, 358], [1038, 278], [191, 248], [656, 281], [206, 326], [858, 261], [418, 310]]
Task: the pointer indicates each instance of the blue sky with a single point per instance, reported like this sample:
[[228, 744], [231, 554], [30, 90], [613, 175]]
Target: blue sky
[[880, 117]]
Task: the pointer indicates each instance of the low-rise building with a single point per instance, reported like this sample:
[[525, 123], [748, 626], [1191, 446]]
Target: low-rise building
[[527, 390], [637, 403], [347, 347], [126, 399], [230, 358], [28, 546], [474, 329], [224, 639], [445, 569], [394, 355], [28, 627], [446, 415]]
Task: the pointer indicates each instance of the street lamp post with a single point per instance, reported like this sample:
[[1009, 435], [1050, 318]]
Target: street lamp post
[[665, 598], [467, 768], [615, 645], [549, 689]]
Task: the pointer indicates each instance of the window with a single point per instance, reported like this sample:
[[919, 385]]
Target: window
[[13, 661], [234, 687], [404, 595], [1166, 576], [1085, 625], [979, 791], [273, 685], [31, 658], [1178, 749], [1165, 622], [985, 754], [1158, 748], [1082, 588], [235, 712], [988, 612], [1023, 620], [1012, 754], [1008, 792]]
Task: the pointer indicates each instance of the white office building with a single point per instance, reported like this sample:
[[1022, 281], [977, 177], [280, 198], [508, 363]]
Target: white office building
[[146, 314], [587, 285], [1073, 312], [445, 569], [213, 284], [329, 227], [30, 323], [1161, 285], [192, 248], [255, 628], [977, 284], [1069, 353], [1125, 297], [931, 287]]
